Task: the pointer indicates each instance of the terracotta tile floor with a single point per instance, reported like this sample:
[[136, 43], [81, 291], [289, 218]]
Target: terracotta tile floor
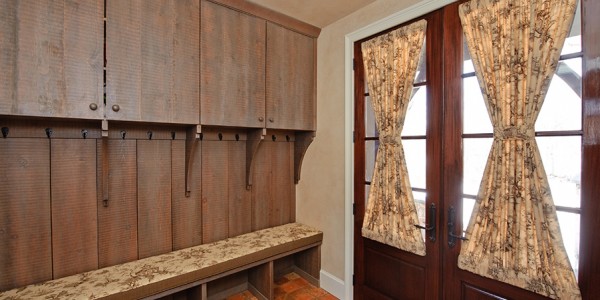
[[291, 286]]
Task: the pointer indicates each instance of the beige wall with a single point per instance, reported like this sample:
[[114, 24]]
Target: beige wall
[[321, 193]]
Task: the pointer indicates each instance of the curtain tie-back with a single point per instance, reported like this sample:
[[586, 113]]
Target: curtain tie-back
[[390, 140], [520, 132]]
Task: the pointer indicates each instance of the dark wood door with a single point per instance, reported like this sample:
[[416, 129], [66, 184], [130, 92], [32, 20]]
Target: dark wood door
[[457, 143], [382, 271], [232, 67], [152, 61]]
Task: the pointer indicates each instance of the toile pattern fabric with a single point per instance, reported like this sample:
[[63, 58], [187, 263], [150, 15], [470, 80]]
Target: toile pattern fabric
[[391, 61], [152, 274], [514, 235]]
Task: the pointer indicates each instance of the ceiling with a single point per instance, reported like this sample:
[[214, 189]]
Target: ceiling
[[319, 13]]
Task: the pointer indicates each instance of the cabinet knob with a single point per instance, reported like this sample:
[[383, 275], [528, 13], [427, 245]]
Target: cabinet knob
[[271, 120], [116, 108], [260, 119], [93, 106]]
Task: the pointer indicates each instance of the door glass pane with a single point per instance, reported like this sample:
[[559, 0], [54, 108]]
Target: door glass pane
[[370, 125], [468, 205], [420, 76], [573, 41], [370, 155], [562, 161], [475, 155], [421, 210], [569, 228], [475, 116], [414, 151], [562, 107], [416, 115], [468, 66]]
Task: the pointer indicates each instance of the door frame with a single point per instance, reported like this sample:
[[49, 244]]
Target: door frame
[[395, 19]]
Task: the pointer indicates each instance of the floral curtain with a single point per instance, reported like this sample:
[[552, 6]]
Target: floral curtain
[[514, 235], [391, 61]]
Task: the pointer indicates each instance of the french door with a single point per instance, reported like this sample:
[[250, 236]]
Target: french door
[[447, 137]]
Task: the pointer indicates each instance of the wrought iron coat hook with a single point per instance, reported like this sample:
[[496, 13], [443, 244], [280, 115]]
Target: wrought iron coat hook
[[123, 134], [4, 132], [172, 135], [220, 136], [237, 137], [149, 134], [84, 133], [49, 132]]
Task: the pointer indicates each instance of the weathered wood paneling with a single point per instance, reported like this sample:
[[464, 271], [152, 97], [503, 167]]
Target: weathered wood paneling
[[117, 222], [25, 242], [74, 209], [154, 197]]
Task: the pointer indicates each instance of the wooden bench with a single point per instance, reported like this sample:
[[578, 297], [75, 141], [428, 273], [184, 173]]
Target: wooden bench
[[259, 255]]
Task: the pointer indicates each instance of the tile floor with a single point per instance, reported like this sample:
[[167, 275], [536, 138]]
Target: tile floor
[[291, 287]]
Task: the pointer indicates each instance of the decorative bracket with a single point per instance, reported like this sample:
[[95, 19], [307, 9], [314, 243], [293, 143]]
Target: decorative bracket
[[193, 135], [303, 140], [255, 136]]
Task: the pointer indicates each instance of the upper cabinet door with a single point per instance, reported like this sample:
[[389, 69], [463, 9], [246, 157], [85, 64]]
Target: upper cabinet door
[[232, 67], [290, 79], [152, 61], [51, 58]]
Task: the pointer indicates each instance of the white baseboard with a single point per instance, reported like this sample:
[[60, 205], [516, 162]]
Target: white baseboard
[[333, 285]]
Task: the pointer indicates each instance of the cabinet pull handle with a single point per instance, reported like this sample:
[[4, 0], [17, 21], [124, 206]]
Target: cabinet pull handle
[[93, 106], [116, 108], [260, 119], [271, 120], [451, 236]]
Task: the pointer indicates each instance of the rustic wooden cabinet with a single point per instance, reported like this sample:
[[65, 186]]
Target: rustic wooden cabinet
[[290, 79], [232, 67], [153, 61], [51, 57]]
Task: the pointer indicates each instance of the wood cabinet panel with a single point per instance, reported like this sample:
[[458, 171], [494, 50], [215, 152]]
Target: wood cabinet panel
[[290, 80], [273, 191], [74, 210], [187, 211], [25, 241], [232, 62], [51, 57], [154, 197], [153, 61], [117, 221]]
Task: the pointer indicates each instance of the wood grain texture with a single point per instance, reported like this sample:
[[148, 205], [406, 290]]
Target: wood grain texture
[[215, 202], [290, 80], [153, 60], [154, 197], [240, 204], [261, 278], [74, 209], [232, 63], [186, 211], [25, 241], [52, 58], [117, 222]]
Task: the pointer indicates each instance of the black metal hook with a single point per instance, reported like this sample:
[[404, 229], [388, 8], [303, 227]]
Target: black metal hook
[[237, 137], [149, 134], [220, 136], [172, 135], [201, 136], [5, 132], [49, 132], [123, 134], [274, 137], [287, 137], [84, 133]]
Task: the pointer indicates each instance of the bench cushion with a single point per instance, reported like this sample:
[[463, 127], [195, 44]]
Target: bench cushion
[[152, 275]]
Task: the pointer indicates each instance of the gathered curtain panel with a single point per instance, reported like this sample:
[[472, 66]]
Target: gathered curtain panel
[[514, 234], [391, 62]]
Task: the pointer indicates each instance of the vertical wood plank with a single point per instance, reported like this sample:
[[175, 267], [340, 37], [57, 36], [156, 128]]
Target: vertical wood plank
[[185, 104], [282, 198], [124, 59], [8, 56], [117, 222], [25, 245], [74, 211], [290, 79], [261, 192], [154, 197], [187, 211], [240, 204], [215, 204], [261, 279], [232, 67], [52, 54]]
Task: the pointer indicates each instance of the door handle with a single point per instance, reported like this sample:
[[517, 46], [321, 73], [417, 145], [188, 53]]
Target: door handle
[[431, 229], [451, 236]]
